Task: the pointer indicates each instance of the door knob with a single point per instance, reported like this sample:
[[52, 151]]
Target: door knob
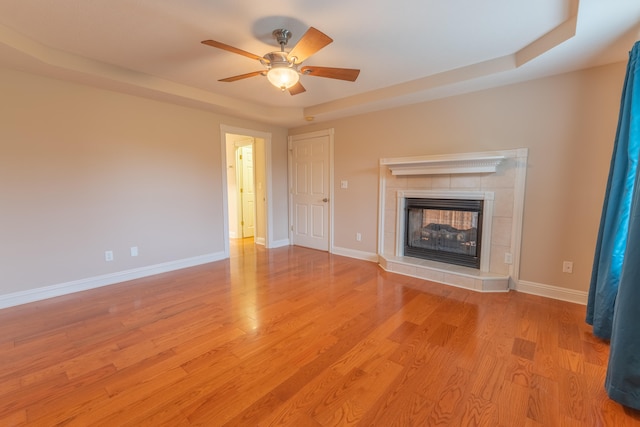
[[325, 200]]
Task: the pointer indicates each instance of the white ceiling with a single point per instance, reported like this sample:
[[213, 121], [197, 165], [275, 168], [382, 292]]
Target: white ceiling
[[408, 51]]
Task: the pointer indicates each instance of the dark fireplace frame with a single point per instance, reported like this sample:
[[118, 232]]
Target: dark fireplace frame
[[465, 260]]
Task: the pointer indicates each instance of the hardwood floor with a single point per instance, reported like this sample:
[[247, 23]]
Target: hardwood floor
[[298, 337]]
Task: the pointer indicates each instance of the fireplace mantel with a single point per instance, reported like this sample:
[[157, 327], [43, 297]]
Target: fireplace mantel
[[442, 164]]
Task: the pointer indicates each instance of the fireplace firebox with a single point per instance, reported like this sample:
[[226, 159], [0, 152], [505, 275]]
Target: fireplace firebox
[[445, 230]]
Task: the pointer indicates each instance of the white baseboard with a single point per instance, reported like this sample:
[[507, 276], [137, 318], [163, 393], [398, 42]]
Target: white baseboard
[[259, 241], [555, 292], [352, 253], [279, 243], [38, 294]]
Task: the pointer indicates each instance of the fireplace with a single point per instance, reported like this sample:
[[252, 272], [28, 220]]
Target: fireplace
[[444, 230], [451, 227], [486, 193]]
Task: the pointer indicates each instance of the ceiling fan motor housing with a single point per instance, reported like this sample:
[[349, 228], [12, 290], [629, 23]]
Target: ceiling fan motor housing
[[278, 60]]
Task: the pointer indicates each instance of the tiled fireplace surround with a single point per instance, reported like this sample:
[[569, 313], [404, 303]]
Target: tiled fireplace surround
[[498, 177]]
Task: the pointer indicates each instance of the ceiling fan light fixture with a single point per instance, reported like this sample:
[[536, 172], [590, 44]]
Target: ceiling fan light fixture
[[282, 67], [283, 77]]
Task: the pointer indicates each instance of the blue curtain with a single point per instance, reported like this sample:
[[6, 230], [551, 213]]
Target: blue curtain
[[614, 296]]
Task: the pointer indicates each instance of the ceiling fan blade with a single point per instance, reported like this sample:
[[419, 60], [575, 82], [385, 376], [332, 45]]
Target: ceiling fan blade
[[241, 76], [232, 49], [348, 74], [296, 89], [311, 42]]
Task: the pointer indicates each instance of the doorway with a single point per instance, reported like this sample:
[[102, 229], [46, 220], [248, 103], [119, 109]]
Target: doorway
[[241, 187], [247, 183]]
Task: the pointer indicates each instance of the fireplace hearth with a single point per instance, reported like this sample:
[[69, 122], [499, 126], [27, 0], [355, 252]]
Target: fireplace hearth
[[444, 230]]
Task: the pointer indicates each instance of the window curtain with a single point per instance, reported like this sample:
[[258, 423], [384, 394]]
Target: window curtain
[[613, 306]]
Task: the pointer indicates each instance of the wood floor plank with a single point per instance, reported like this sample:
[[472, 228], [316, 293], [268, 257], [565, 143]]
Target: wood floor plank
[[302, 403], [543, 404], [488, 378], [449, 401], [17, 418], [515, 412], [298, 337], [477, 412]]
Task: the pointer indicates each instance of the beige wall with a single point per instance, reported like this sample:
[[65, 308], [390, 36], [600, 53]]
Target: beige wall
[[84, 170], [568, 122]]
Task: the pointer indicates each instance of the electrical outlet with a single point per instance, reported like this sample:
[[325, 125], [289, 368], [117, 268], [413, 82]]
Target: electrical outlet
[[359, 237], [508, 258], [134, 251], [567, 267], [344, 184], [108, 255]]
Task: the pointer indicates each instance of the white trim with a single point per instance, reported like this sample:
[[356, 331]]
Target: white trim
[[38, 294], [331, 191], [352, 253], [280, 243], [555, 292], [382, 191], [519, 187]]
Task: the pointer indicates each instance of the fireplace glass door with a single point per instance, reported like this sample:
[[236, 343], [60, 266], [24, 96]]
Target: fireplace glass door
[[444, 230]]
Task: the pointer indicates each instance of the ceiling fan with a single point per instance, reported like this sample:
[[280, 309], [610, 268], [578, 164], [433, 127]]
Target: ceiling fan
[[283, 68]]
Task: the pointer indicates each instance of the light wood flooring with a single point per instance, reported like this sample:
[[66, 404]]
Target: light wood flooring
[[297, 337]]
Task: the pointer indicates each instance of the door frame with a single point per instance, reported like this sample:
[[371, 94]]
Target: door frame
[[291, 139], [266, 137]]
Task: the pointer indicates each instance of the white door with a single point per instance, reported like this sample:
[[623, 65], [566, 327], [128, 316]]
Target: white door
[[310, 191], [247, 192]]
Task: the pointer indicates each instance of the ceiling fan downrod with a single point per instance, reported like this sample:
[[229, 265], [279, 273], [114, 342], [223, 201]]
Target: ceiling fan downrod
[[282, 36]]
